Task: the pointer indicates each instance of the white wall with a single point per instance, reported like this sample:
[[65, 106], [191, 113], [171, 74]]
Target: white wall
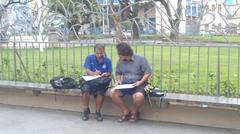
[[212, 17], [215, 17]]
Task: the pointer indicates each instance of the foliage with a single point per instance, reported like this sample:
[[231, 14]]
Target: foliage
[[228, 88], [212, 81], [200, 81], [76, 12], [5, 62], [126, 25]]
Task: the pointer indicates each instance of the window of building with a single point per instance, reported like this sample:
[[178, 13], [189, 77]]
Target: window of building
[[207, 8], [213, 8], [206, 27], [231, 28], [219, 26], [219, 8], [213, 26], [231, 2], [191, 11], [152, 25]]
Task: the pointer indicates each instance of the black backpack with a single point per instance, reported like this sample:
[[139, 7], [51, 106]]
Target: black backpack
[[61, 82]]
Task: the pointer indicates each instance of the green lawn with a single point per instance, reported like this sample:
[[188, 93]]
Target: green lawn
[[199, 38], [214, 38], [196, 73]]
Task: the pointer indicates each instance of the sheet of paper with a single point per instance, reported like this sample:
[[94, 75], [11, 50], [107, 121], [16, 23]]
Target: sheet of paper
[[88, 77], [160, 93], [124, 86]]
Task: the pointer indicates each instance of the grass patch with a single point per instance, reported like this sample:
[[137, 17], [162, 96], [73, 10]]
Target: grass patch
[[178, 69]]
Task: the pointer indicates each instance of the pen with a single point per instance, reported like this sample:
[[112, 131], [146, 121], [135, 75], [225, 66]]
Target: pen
[[97, 71]]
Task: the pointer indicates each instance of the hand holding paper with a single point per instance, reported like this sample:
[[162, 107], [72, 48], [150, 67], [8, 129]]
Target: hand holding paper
[[105, 74], [88, 77], [124, 86]]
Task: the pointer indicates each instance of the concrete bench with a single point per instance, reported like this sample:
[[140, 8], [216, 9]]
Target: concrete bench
[[203, 101], [168, 98], [35, 87], [180, 108]]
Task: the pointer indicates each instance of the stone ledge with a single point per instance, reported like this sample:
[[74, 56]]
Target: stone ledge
[[204, 100], [194, 115], [33, 86], [188, 99], [178, 110]]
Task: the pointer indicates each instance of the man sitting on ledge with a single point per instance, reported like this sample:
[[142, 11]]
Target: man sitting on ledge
[[131, 69], [96, 64]]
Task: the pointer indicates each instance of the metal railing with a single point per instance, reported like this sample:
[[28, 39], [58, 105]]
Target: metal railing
[[181, 68], [37, 42]]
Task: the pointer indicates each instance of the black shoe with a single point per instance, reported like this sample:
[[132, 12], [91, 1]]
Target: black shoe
[[86, 114], [98, 116]]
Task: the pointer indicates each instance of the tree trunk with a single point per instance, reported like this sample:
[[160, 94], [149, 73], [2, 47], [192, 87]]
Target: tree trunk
[[73, 33], [135, 26], [174, 23], [117, 27], [178, 18], [135, 29], [116, 23]]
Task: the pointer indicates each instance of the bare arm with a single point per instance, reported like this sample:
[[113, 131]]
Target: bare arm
[[118, 79], [143, 80], [106, 74], [89, 72]]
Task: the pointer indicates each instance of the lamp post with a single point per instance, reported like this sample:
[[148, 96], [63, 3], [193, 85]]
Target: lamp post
[[103, 24]]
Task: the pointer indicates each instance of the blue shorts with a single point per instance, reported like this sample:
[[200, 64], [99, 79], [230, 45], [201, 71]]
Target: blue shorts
[[131, 91], [96, 87]]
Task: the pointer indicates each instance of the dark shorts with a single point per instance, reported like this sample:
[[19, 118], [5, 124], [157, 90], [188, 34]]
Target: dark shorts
[[132, 91], [97, 86]]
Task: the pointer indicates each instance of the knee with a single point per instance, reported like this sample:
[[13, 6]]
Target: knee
[[138, 97], [85, 94], [113, 94]]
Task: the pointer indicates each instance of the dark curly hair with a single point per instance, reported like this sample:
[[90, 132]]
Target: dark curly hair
[[124, 49]]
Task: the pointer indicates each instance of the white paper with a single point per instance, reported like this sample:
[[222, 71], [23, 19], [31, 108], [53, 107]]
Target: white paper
[[124, 86], [88, 77], [160, 93]]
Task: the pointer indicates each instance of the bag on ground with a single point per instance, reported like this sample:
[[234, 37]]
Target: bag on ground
[[61, 82]]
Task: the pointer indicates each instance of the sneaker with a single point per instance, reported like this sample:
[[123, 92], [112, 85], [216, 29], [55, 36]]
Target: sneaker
[[98, 116], [86, 114]]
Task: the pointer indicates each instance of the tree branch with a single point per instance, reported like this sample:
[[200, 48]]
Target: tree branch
[[15, 2]]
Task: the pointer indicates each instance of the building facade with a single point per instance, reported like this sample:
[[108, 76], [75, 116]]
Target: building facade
[[217, 17]]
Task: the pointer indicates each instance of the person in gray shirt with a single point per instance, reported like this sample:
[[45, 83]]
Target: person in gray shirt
[[130, 69]]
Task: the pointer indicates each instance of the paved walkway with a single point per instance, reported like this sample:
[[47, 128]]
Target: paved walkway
[[25, 120]]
